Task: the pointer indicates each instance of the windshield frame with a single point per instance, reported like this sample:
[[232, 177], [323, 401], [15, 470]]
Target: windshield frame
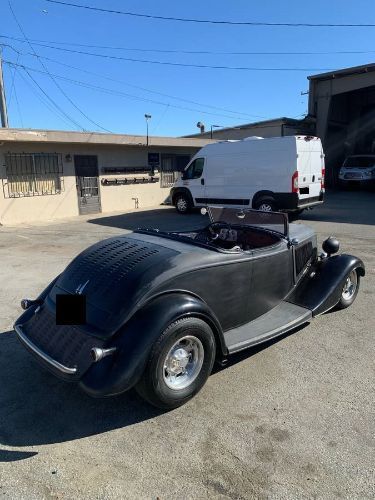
[[280, 217]]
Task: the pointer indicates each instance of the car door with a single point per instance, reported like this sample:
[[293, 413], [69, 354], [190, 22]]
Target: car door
[[272, 279], [193, 179]]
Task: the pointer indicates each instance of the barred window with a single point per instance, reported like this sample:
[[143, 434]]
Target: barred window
[[33, 174]]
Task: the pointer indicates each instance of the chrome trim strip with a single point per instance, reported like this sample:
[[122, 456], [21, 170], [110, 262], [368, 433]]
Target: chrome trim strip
[[44, 356]]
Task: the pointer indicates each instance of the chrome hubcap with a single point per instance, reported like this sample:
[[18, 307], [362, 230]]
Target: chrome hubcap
[[264, 207], [350, 286], [183, 362], [182, 204]]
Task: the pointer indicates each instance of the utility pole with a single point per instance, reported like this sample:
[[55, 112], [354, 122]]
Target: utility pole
[[148, 117], [3, 104]]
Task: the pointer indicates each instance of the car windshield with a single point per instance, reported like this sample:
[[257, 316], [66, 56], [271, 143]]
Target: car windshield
[[275, 221], [360, 162]]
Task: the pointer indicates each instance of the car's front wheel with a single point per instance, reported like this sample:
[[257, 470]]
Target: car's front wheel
[[179, 364], [349, 290]]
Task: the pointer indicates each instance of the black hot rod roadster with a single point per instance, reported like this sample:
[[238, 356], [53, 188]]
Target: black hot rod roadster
[[157, 309]]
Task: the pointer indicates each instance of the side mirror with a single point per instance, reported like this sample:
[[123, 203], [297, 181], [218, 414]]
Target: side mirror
[[331, 245]]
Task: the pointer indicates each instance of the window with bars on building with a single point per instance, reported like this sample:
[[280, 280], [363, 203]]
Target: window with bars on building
[[33, 174]]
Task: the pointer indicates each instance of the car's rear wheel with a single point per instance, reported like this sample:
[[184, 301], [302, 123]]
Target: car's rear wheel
[[182, 203], [179, 364], [266, 205], [349, 290]]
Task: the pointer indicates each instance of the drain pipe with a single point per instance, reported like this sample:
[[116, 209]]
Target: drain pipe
[[136, 202]]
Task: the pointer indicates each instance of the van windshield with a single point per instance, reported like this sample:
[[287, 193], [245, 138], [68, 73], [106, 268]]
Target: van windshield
[[359, 162], [274, 221]]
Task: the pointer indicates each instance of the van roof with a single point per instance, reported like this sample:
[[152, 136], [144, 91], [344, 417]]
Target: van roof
[[286, 138]]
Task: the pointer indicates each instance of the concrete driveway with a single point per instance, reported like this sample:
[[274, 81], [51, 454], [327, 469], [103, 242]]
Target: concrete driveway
[[293, 419]]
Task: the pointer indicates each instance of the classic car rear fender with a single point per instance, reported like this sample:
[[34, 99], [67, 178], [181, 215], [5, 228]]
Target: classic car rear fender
[[320, 290], [118, 373]]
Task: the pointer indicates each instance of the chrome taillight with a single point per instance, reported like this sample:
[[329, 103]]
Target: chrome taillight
[[97, 353]]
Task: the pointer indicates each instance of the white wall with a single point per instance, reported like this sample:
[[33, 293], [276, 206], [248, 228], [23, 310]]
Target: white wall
[[113, 198]]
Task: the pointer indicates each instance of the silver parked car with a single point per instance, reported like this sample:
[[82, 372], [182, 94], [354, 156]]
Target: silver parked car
[[358, 169]]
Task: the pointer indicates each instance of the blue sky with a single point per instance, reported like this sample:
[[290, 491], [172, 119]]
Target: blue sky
[[242, 96]]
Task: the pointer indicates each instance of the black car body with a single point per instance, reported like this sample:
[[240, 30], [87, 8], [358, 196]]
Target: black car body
[[245, 278]]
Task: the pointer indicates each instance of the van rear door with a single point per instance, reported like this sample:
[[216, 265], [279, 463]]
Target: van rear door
[[310, 166]]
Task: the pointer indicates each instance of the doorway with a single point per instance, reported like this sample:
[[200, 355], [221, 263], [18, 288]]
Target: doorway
[[171, 167], [87, 181]]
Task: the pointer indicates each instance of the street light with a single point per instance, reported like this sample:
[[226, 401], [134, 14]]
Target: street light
[[148, 117], [215, 126]]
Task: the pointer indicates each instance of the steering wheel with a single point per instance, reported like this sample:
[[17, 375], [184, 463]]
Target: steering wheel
[[215, 227]]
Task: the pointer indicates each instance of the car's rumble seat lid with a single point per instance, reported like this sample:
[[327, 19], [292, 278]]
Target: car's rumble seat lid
[[111, 275]]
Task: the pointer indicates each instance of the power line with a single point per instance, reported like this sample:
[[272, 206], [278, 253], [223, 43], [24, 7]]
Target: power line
[[18, 104], [49, 98], [55, 112], [119, 93], [100, 75], [57, 85], [36, 41], [36, 55], [211, 21], [12, 84], [187, 65]]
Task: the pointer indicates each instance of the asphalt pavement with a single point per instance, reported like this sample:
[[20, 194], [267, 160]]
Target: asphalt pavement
[[292, 419]]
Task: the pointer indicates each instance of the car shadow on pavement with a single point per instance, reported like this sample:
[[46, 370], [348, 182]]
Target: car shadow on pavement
[[164, 219], [36, 408], [15, 456], [252, 351]]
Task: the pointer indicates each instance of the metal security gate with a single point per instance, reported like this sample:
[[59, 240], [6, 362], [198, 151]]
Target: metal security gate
[[87, 179], [171, 167]]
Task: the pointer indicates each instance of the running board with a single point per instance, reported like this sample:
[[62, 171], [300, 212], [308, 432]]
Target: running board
[[279, 320]]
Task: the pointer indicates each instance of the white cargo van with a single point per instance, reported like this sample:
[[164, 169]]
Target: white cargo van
[[278, 173]]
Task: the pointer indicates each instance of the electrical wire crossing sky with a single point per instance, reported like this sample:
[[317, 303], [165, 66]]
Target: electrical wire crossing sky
[[100, 66]]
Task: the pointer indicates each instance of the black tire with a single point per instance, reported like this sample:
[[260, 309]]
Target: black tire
[[153, 386], [182, 203], [268, 202], [345, 302]]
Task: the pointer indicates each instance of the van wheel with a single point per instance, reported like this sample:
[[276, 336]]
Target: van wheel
[[182, 204], [266, 205]]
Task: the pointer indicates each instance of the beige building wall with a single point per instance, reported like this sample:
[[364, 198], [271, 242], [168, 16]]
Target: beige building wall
[[113, 198]]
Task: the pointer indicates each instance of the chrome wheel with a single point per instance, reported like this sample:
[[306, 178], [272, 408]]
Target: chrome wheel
[[265, 207], [182, 205], [350, 286], [183, 362]]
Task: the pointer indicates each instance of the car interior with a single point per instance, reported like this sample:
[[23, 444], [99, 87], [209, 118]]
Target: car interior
[[232, 237]]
